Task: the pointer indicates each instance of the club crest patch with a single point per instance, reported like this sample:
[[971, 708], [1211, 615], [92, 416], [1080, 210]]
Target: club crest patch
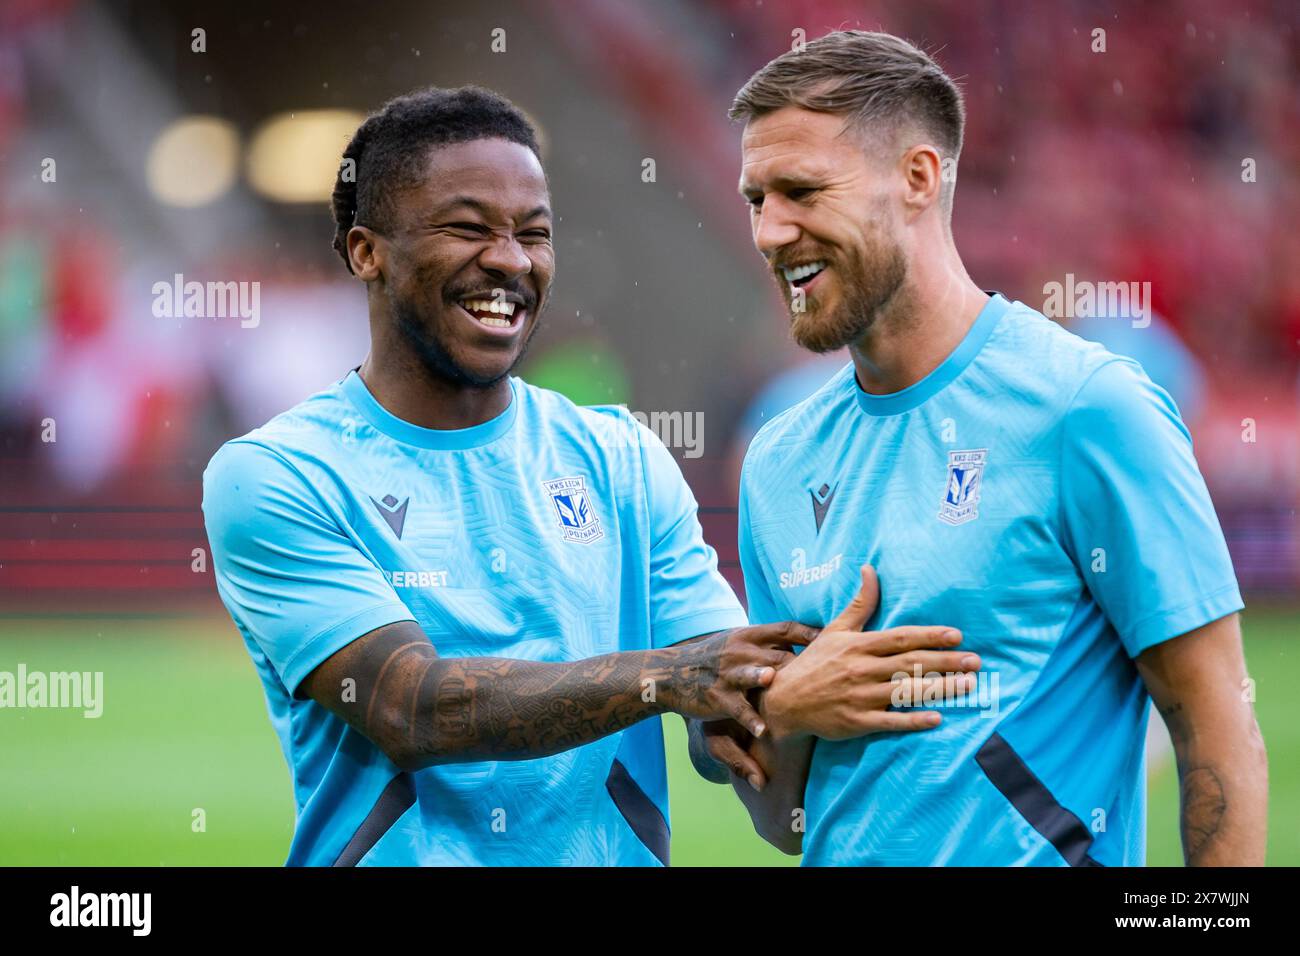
[[573, 507], [961, 499]]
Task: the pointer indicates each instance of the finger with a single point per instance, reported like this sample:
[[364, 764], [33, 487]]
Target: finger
[[915, 691], [744, 713], [896, 640], [784, 634], [798, 635], [959, 685], [780, 636], [786, 658], [854, 616], [903, 721], [726, 751], [926, 662], [726, 727], [771, 657], [748, 676]]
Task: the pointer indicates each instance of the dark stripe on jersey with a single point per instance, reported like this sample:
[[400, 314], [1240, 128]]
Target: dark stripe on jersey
[[1035, 802], [397, 798], [639, 811]]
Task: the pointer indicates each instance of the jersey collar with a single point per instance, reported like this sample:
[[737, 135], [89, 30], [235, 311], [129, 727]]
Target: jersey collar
[[895, 403], [451, 439]]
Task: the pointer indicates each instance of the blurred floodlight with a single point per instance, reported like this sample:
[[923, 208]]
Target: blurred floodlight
[[294, 157], [193, 161]]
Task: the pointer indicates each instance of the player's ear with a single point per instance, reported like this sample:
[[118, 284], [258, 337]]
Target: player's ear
[[365, 253], [923, 179]]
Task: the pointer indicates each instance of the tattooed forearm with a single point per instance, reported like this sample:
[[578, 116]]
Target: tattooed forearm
[[1203, 806], [1201, 797], [491, 708], [1198, 681], [421, 709], [1174, 719]]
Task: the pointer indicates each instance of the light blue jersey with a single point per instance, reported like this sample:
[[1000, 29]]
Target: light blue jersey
[[550, 533], [1039, 494]]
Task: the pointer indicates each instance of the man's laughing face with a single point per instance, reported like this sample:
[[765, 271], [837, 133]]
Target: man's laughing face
[[821, 217], [469, 261]]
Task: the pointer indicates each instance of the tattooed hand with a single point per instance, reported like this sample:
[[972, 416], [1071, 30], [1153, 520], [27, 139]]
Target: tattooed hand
[[712, 676]]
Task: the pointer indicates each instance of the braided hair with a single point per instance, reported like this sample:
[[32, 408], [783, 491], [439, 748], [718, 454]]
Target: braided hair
[[388, 150]]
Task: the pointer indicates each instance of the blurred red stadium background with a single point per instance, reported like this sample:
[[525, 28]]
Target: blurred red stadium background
[[1169, 157]]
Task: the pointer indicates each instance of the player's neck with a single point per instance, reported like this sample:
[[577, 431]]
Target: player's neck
[[414, 395], [921, 327]]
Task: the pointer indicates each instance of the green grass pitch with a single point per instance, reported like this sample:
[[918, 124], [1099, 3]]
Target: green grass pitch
[[184, 728]]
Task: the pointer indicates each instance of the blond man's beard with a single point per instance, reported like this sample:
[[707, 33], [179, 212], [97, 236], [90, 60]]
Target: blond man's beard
[[866, 288]]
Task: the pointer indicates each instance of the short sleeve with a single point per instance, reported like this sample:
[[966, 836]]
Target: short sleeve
[[1137, 517], [288, 574], [758, 594], [688, 595]]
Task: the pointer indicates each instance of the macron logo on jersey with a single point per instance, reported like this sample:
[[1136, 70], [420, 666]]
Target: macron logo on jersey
[[821, 500], [393, 512]]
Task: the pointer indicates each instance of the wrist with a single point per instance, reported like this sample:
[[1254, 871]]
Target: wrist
[[661, 680], [775, 707], [682, 673]]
